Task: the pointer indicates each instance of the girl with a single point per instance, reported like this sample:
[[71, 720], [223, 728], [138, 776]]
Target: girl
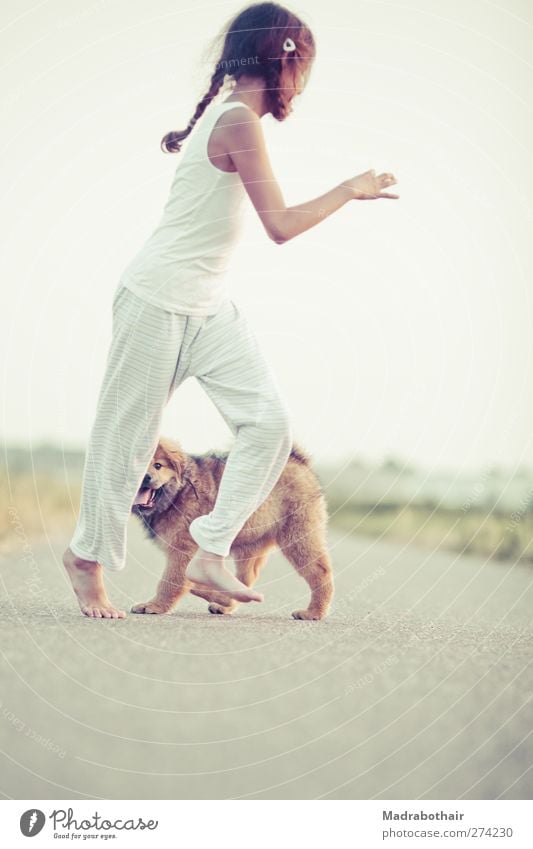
[[173, 318]]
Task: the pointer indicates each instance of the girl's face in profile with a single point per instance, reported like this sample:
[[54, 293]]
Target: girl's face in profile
[[295, 82], [299, 82]]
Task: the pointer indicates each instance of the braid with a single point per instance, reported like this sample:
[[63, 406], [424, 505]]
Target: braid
[[272, 76], [171, 142]]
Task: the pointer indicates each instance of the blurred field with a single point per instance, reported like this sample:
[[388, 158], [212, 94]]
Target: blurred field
[[475, 532], [489, 513], [39, 493]]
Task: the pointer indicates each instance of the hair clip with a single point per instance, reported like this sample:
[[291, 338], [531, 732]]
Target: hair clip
[[289, 45]]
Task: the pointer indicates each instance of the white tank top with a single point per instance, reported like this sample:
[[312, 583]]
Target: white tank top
[[182, 265]]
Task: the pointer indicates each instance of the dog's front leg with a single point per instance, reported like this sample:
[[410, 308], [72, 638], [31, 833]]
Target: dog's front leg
[[172, 586]]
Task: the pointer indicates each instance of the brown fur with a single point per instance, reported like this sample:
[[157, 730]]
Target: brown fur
[[292, 518]]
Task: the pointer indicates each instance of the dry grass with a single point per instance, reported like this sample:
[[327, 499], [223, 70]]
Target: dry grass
[[33, 507], [472, 531]]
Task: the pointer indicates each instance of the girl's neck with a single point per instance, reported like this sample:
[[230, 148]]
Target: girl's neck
[[251, 91]]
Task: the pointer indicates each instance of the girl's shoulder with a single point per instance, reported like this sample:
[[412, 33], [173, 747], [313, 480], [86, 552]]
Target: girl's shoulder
[[236, 106], [235, 114]]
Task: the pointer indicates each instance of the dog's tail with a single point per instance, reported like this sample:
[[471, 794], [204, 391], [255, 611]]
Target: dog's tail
[[304, 459], [298, 454]]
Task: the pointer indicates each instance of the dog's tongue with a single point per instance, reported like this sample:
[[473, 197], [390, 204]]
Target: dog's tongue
[[143, 497]]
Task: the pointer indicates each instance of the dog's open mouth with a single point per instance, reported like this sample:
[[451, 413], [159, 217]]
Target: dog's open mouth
[[145, 498]]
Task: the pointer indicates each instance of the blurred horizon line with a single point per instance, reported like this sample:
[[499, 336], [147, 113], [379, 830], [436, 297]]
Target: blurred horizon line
[[390, 461]]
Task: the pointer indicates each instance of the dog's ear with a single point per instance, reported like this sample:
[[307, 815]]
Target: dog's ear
[[173, 454]]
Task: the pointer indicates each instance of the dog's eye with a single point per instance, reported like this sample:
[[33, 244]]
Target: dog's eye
[[158, 466]]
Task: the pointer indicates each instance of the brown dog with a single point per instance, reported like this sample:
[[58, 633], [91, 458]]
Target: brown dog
[[178, 487]]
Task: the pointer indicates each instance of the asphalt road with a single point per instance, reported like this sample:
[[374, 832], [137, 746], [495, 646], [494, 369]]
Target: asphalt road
[[417, 686]]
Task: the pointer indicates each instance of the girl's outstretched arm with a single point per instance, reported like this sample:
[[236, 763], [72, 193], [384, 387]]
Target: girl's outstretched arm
[[241, 136]]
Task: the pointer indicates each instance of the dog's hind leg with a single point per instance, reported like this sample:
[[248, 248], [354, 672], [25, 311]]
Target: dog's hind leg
[[247, 571], [311, 560]]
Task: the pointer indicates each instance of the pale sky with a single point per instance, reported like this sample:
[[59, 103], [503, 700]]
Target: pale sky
[[398, 327]]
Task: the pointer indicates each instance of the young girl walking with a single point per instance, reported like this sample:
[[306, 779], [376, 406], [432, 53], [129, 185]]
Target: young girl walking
[[173, 317]]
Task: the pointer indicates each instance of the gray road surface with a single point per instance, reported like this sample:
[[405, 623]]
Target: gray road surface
[[417, 686]]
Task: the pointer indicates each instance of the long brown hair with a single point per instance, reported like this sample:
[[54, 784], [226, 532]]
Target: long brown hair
[[253, 46]]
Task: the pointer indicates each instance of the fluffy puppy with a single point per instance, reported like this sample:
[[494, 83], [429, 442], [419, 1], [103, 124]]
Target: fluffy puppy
[[178, 487]]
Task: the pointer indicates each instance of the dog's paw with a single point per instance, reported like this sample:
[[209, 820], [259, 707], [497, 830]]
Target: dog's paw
[[219, 608], [307, 614], [148, 607]]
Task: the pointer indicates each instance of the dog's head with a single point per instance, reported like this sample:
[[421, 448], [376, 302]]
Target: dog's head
[[164, 478]]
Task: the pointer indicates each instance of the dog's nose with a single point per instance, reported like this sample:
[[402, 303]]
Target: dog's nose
[[146, 481]]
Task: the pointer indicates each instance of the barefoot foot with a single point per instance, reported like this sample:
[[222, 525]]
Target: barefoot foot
[[88, 584], [209, 569]]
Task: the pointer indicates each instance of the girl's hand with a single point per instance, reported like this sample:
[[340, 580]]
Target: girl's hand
[[369, 187]]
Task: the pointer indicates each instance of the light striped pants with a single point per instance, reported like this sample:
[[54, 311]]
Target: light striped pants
[[152, 352]]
